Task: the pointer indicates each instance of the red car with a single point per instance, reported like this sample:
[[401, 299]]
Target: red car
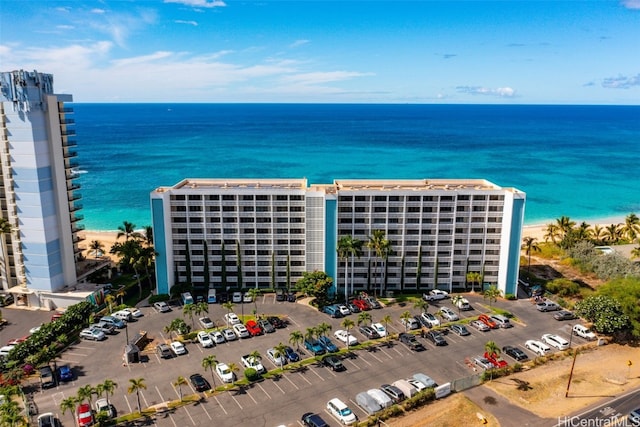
[[253, 328], [488, 321], [85, 416], [17, 341], [495, 360], [361, 304]]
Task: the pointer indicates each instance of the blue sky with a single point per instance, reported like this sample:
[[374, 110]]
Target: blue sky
[[524, 52]]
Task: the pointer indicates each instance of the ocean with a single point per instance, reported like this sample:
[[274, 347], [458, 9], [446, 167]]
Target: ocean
[[577, 161]]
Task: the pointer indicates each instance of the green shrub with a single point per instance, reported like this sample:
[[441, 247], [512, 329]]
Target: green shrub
[[158, 298], [563, 287], [251, 374], [510, 297]]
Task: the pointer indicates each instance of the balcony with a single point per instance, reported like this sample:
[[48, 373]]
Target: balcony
[[71, 186], [68, 132], [76, 218], [70, 154], [69, 143], [75, 196], [67, 121], [73, 207]]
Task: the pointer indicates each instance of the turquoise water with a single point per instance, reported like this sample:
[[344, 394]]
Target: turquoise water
[[579, 161]]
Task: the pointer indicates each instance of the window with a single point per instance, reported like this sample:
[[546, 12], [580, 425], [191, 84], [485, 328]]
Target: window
[[463, 197], [281, 197], [213, 197], [195, 197], [380, 198], [228, 209], [228, 197]]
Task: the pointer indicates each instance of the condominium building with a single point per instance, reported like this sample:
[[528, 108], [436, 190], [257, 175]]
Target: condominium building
[[38, 198], [228, 234]]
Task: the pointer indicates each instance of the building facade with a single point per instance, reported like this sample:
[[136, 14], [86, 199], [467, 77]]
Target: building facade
[[38, 192], [230, 234]]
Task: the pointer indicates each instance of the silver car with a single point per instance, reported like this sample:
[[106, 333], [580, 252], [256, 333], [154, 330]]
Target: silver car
[[482, 327]]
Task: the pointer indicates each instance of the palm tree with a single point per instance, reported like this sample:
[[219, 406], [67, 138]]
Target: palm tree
[[11, 415], [254, 292], [233, 367], [210, 362], [281, 351], [631, 227], [529, 245], [108, 387], [456, 300], [127, 229], [131, 254], [348, 247], [120, 293], [385, 321], [565, 225], [375, 244], [229, 306], [179, 382], [201, 308], [491, 294], [96, 247], [612, 233], [110, 299], [147, 236], [597, 234], [255, 355], [635, 252], [86, 393], [492, 348], [364, 317], [295, 338], [421, 305], [189, 310], [473, 277], [70, 403], [552, 232], [323, 328], [406, 316], [347, 324], [135, 386], [385, 252], [310, 333]]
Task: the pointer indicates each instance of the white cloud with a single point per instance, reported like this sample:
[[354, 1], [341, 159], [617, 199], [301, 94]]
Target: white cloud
[[621, 82], [98, 11], [298, 43], [180, 21], [199, 3], [503, 92], [321, 77], [65, 27], [631, 4]]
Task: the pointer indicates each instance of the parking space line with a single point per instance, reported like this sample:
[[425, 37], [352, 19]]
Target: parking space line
[[385, 353], [265, 391], [366, 415], [145, 399], [317, 374], [248, 394], [286, 377], [220, 405], [204, 408], [276, 384], [354, 365], [168, 413], [65, 360], [55, 399], [293, 321], [128, 404], [189, 415], [374, 356], [236, 400], [398, 351], [302, 376]]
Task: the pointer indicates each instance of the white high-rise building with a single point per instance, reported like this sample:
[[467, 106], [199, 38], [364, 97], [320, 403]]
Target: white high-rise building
[[39, 202], [230, 233]]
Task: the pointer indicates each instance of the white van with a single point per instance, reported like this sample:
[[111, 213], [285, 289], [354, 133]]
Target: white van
[[381, 397], [537, 347], [124, 315], [584, 332], [501, 320], [187, 298], [341, 411], [406, 387], [211, 296]]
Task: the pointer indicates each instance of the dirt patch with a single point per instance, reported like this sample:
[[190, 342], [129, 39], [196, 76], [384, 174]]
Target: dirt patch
[[453, 411]]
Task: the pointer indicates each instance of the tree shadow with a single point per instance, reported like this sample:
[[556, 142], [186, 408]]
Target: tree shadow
[[490, 400], [522, 385]]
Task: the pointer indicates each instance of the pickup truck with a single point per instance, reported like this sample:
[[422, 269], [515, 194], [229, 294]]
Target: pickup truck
[[410, 341], [495, 360], [435, 295], [249, 361], [314, 346], [104, 327]]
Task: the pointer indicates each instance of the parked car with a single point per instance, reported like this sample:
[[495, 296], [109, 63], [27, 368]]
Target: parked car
[[314, 346], [361, 304], [406, 387], [547, 306], [380, 397], [217, 337], [206, 322], [277, 322], [205, 339], [113, 321], [253, 328], [501, 321], [479, 326], [92, 334], [353, 308], [65, 373], [178, 348], [105, 327], [46, 377], [333, 362], [393, 392], [537, 347], [292, 356], [488, 321], [249, 361], [425, 379], [495, 360], [236, 297], [164, 351], [225, 373], [344, 310], [241, 331], [327, 344], [416, 384], [430, 320], [278, 359], [47, 420], [229, 334], [436, 338], [341, 411], [247, 298], [435, 295], [332, 311], [555, 341], [564, 315], [482, 362], [134, 311], [410, 341], [231, 319], [584, 332], [84, 415], [380, 329], [124, 315], [103, 405], [462, 304], [199, 382], [373, 303], [449, 314], [280, 294], [460, 330], [367, 403], [369, 332], [410, 324], [313, 420], [292, 297], [515, 353], [266, 326], [345, 337]]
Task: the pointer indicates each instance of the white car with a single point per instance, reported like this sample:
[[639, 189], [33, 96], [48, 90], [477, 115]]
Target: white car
[[178, 348], [241, 330], [341, 411], [225, 373], [35, 329], [205, 339], [206, 322], [232, 319], [344, 310], [217, 337], [462, 304], [247, 298], [92, 334], [537, 347], [161, 306], [236, 297], [345, 337], [103, 405], [229, 335], [417, 384], [430, 319], [135, 312], [435, 295], [380, 329], [448, 314], [555, 341], [584, 332], [277, 358]]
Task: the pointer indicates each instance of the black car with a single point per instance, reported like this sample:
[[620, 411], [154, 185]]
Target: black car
[[514, 353], [333, 362], [369, 332], [353, 308], [280, 294], [277, 322], [435, 337], [313, 420], [291, 297], [564, 315], [199, 383], [393, 392], [410, 341], [223, 297]]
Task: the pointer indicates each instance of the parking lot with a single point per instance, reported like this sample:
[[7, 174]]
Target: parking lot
[[282, 400]]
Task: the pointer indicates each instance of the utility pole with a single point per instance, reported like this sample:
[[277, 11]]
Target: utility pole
[[575, 354]]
